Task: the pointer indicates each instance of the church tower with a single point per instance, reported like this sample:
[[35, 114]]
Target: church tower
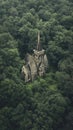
[[36, 64]]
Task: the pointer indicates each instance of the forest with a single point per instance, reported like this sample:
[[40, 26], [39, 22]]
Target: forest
[[47, 102]]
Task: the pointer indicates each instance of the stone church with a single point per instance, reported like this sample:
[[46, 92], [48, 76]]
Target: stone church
[[35, 64]]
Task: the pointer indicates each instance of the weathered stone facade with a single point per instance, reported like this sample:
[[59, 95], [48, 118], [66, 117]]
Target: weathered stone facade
[[36, 64]]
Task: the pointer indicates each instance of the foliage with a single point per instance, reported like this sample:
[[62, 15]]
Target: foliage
[[46, 103]]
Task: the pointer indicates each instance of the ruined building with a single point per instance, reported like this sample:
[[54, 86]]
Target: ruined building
[[36, 64]]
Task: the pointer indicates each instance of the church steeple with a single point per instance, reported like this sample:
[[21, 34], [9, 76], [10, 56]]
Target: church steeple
[[38, 43]]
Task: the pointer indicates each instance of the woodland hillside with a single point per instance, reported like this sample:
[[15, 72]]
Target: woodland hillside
[[47, 102]]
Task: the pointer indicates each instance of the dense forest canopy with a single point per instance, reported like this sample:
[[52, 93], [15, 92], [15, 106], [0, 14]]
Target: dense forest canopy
[[46, 103]]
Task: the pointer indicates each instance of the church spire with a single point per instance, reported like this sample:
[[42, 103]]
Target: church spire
[[38, 43]]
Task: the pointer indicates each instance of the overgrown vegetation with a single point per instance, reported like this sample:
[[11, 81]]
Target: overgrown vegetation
[[46, 103]]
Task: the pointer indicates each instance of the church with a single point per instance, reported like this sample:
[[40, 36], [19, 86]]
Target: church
[[35, 64]]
